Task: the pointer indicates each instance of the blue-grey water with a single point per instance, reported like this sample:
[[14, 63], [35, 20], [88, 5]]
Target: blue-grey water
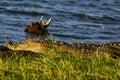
[[72, 20]]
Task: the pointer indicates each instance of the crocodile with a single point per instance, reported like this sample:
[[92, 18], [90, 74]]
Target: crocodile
[[40, 45], [39, 27]]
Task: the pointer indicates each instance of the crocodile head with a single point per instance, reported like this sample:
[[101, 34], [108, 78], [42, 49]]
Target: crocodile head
[[39, 27]]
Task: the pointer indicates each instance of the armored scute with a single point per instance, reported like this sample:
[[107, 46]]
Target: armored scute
[[39, 27]]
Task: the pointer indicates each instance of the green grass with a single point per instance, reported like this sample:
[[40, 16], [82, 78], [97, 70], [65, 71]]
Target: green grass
[[58, 66]]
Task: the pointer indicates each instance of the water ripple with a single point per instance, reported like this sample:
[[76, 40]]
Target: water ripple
[[84, 21]]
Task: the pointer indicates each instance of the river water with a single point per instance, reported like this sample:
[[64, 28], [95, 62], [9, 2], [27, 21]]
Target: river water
[[72, 20]]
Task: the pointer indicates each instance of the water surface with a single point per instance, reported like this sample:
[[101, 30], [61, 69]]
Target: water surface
[[72, 20]]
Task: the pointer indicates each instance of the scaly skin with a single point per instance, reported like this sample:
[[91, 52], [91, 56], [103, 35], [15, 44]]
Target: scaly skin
[[38, 45]]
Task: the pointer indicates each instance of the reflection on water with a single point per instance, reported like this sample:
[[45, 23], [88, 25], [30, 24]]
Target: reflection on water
[[73, 20]]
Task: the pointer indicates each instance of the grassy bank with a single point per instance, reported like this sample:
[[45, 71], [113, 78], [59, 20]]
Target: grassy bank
[[58, 66]]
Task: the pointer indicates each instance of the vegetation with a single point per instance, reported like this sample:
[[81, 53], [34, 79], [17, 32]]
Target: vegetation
[[55, 65]]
